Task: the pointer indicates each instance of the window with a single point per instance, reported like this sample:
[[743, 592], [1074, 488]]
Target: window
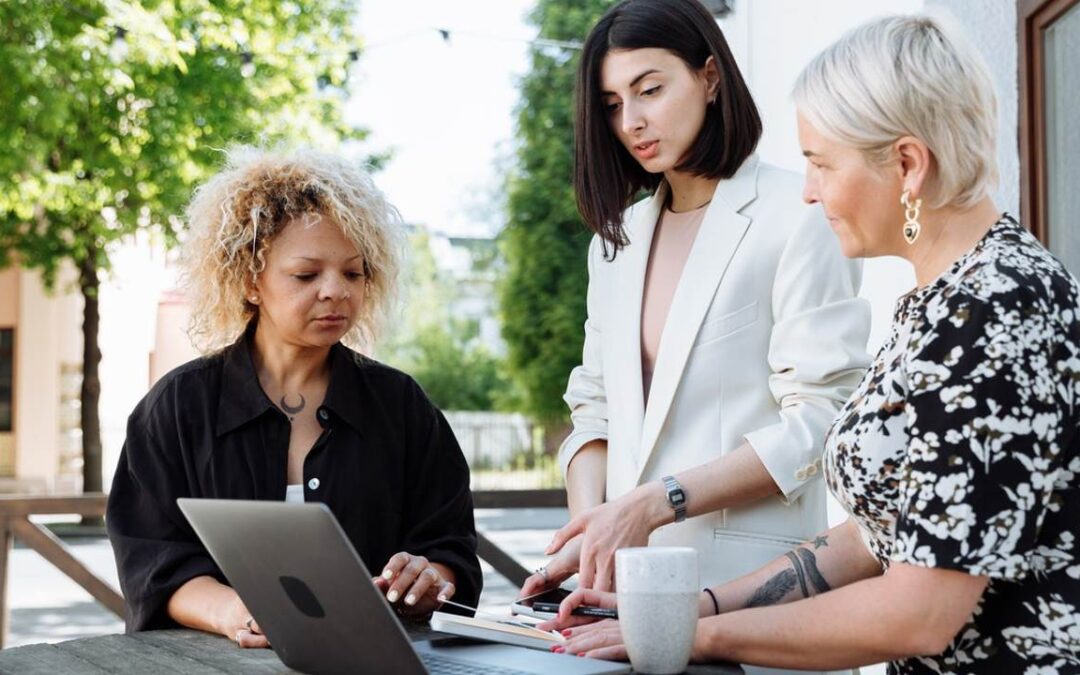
[[1050, 124], [7, 379]]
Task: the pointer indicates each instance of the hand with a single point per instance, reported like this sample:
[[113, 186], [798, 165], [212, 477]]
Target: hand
[[582, 596], [419, 584], [626, 521], [241, 627], [602, 640], [560, 568]]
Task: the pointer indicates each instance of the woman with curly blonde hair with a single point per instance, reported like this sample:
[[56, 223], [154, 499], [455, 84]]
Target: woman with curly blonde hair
[[288, 255]]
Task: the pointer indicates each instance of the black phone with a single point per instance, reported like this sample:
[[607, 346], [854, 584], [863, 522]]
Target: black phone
[[544, 606]]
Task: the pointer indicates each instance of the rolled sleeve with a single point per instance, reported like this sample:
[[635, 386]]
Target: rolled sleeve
[[817, 352], [156, 551], [585, 394]]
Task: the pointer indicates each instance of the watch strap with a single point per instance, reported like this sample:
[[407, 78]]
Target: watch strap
[[676, 497]]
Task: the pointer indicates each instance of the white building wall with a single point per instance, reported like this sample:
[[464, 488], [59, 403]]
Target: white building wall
[[991, 25]]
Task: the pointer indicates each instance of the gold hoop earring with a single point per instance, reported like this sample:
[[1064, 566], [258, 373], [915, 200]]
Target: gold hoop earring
[[912, 228]]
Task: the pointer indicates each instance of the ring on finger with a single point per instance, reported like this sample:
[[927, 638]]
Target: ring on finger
[[432, 572], [542, 571], [248, 623]]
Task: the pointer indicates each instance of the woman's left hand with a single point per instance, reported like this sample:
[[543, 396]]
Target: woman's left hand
[[624, 522], [601, 640], [415, 586]]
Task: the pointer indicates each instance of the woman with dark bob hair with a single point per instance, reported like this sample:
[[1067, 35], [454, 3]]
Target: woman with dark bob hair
[[723, 330], [289, 256], [958, 456]]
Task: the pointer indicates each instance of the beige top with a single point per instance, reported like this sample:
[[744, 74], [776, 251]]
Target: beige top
[[672, 240]]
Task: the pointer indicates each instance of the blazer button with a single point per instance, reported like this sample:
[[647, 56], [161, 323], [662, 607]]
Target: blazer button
[[323, 415], [313, 484]]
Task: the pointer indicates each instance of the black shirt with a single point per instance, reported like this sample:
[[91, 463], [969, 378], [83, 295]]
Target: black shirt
[[387, 465]]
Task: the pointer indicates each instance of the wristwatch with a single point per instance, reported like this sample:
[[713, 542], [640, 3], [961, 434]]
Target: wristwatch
[[676, 497]]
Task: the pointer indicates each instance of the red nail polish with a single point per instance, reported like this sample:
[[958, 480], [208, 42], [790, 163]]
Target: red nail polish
[[567, 632], [581, 653]]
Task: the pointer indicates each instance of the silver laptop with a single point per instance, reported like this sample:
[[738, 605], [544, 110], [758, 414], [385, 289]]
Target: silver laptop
[[304, 583]]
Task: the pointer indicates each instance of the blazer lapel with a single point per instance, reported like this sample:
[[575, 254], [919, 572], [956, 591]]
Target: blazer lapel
[[625, 339], [721, 232]]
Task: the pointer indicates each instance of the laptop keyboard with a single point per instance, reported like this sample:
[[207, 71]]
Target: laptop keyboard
[[440, 664]]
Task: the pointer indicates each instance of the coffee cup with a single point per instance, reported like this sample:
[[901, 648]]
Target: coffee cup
[[657, 592]]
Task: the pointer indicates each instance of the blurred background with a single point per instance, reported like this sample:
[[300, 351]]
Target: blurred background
[[113, 110]]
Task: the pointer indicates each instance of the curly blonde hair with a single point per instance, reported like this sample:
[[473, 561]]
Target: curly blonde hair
[[235, 216]]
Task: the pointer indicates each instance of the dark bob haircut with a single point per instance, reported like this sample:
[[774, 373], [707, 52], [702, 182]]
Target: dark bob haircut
[[606, 175]]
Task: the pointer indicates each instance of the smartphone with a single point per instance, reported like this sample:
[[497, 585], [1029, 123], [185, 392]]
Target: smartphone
[[543, 606], [546, 606]]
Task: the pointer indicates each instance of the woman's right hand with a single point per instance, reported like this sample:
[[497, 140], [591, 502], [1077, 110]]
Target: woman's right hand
[[561, 566]]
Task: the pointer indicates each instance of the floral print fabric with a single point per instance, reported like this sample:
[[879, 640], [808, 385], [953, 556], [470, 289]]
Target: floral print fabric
[[959, 450]]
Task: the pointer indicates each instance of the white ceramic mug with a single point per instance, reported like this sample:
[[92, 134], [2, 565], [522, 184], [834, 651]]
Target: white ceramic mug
[[657, 588]]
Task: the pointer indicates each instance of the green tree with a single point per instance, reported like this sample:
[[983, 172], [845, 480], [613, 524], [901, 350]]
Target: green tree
[[544, 243], [114, 109], [443, 352]]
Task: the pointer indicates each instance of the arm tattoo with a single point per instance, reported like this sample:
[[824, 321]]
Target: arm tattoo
[[803, 569], [773, 590], [799, 571], [809, 561]]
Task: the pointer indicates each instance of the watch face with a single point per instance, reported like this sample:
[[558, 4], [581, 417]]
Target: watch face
[[677, 498]]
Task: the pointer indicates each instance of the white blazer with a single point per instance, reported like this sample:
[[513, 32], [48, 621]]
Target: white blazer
[[764, 340]]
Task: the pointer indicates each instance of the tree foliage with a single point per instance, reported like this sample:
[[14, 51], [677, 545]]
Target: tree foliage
[[114, 109], [545, 243], [443, 352]]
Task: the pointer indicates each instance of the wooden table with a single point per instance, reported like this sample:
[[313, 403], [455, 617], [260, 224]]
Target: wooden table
[[175, 651]]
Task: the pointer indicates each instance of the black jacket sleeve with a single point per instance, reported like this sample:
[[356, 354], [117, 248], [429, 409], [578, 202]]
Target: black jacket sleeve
[[156, 550], [438, 522]]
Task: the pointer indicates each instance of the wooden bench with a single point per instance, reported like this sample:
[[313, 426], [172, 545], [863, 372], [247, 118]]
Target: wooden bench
[[15, 521]]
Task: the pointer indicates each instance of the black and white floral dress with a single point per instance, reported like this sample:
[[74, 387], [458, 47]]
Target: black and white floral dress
[[959, 450]]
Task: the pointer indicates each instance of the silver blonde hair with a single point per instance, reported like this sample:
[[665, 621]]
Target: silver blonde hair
[[235, 216], [909, 76]]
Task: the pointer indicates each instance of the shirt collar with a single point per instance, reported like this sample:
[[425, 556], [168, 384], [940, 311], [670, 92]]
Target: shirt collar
[[242, 398], [346, 394]]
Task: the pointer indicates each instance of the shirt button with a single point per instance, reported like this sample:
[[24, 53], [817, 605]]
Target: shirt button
[[313, 484], [811, 470], [800, 474], [323, 415]]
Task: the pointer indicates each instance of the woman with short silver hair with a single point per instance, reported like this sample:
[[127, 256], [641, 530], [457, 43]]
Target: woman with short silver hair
[[958, 456]]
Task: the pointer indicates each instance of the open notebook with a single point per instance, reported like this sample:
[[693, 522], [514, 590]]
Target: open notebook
[[507, 632]]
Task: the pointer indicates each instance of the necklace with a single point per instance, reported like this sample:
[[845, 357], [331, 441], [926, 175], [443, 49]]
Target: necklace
[[699, 206]]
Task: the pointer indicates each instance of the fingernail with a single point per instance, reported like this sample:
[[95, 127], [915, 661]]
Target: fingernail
[[388, 574], [410, 600], [392, 596], [442, 598], [580, 654], [567, 632], [558, 650]]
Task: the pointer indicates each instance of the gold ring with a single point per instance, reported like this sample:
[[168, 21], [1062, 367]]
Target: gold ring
[[248, 623]]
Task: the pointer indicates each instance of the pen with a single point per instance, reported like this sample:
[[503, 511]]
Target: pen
[[598, 612]]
